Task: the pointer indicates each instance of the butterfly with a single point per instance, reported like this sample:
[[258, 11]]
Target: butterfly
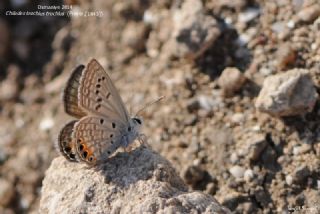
[[102, 122]]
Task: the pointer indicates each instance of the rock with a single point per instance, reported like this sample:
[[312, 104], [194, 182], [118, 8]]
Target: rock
[[137, 182], [300, 174], [248, 175], [309, 13], [194, 32], [286, 55], [304, 148], [237, 171], [6, 192], [193, 174], [287, 94], [134, 35], [257, 144], [231, 80]]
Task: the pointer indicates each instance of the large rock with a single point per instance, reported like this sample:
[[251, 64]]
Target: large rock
[[137, 182], [287, 94]]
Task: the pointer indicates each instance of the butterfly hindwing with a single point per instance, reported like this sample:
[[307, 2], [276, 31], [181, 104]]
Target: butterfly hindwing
[[66, 143], [98, 95], [70, 94], [96, 138]]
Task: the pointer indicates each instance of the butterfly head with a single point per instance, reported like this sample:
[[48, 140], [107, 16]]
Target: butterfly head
[[137, 122]]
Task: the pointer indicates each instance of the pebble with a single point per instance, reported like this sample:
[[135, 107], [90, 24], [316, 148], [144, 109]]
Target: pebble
[[46, 124], [248, 15], [238, 118], [289, 180], [304, 148], [194, 32], [285, 55], [193, 174], [234, 158], [248, 175], [287, 94], [300, 174], [237, 171], [257, 143], [309, 14], [6, 192], [134, 35], [231, 81]]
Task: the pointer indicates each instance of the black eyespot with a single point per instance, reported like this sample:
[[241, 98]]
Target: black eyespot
[[72, 156], [91, 159], [98, 85], [97, 107], [108, 152], [137, 120], [103, 78], [81, 147], [99, 80], [129, 129], [99, 99], [97, 91], [101, 121], [79, 140], [111, 142], [111, 135], [64, 143], [113, 125], [85, 154]]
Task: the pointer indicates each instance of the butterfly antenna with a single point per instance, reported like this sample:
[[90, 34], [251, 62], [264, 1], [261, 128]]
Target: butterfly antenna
[[149, 104]]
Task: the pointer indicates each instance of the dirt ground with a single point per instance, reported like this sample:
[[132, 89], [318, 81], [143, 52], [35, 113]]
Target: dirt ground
[[250, 161]]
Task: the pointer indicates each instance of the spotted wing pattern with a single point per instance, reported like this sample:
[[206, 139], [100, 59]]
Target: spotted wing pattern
[[96, 138], [66, 143], [98, 95], [70, 94]]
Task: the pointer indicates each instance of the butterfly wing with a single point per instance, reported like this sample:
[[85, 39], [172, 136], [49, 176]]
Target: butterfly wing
[[66, 143], [70, 94], [98, 95], [97, 138]]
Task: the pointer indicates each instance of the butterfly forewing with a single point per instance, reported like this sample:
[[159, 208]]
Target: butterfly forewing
[[70, 94], [98, 95], [66, 143], [96, 138]]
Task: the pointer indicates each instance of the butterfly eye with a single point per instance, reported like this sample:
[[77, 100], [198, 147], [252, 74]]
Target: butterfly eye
[[137, 120]]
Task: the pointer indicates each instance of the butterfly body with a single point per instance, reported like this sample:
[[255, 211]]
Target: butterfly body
[[103, 123]]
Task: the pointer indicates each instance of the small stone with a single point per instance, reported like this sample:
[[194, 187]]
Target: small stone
[[193, 174], [285, 56], [249, 14], [237, 118], [248, 175], [237, 171], [231, 80], [257, 143], [6, 192], [46, 124], [234, 158], [287, 94], [300, 174], [194, 32], [134, 35], [304, 148], [190, 120], [289, 180], [310, 13]]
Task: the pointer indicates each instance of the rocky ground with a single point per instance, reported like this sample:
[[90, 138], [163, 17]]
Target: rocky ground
[[240, 118]]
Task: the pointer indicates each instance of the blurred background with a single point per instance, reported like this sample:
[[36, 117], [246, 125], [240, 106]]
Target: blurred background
[[209, 58]]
